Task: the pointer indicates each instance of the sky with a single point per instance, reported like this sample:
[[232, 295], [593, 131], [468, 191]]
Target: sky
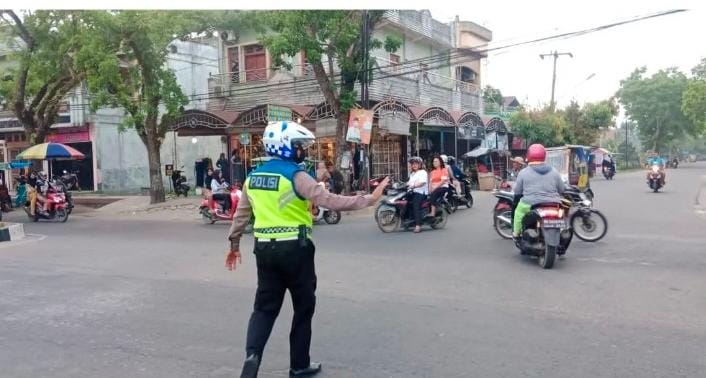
[[609, 55]]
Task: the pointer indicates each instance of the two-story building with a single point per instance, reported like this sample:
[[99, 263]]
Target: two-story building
[[425, 96]]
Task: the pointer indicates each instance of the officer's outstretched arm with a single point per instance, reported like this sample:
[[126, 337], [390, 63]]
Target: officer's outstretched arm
[[306, 187]]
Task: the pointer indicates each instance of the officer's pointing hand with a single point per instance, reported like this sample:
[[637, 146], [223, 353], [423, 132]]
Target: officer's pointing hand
[[377, 193], [232, 260]]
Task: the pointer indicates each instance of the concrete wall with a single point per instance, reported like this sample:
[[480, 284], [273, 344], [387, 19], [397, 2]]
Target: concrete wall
[[121, 157]]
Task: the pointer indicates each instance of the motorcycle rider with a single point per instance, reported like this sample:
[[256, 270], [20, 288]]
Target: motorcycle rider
[[655, 159], [419, 187], [278, 194], [608, 163], [439, 182], [536, 184], [219, 189], [517, 164]]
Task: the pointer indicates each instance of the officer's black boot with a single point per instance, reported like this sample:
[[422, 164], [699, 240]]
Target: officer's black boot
[[251, 366], [313, 369]]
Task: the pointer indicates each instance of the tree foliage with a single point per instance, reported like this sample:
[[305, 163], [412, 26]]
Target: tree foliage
[[492, 99], [655, 103], [126, 68], [694, 98], [328, 38], [540, 126], [586, 122], [46, 69]]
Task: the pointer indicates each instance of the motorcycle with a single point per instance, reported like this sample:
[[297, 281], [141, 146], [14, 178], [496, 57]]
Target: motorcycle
[[392, 212], [586, 222], [608, 173], [654, 178], [57, 209], [456, 199], [212, 210], [675, 163], [61, 185], [70, 181], [179, 183]]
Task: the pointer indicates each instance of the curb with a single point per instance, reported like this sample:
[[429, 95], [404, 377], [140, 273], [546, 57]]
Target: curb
[[12, 232]]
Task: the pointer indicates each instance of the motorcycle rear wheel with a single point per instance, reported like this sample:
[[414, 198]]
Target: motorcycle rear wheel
[[546, 260], [62, 215], [502, 228], [440, 221]]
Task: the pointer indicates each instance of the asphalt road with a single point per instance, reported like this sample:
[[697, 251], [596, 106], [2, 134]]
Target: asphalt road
[[99, 297]]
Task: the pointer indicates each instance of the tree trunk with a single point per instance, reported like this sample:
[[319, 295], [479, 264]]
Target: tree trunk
[[151, 141], [341, 147]]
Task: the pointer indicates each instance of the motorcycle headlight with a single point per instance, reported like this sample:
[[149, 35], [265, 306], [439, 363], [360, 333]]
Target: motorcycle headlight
[[586, 202], [655, 169]]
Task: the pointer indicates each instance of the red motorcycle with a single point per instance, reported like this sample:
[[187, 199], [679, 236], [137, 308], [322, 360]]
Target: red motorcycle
[[212, 210], [57, 208]]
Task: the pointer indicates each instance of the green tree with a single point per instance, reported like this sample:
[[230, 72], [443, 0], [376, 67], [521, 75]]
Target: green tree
[[655, 103], [694, 98], [586, 122], [328, 38], [540, 126], [492, 99], [46, 65], [126, 68]]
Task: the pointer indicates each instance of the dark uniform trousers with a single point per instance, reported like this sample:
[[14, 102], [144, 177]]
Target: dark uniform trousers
[[280, 266]]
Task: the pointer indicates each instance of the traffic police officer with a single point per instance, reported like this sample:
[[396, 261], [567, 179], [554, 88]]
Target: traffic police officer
[[279, 194]]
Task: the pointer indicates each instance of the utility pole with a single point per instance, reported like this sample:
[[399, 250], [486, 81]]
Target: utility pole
[[556, 56], [626, 144], [364, 94]]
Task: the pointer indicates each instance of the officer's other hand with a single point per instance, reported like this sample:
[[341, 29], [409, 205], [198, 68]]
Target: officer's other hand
[[377, 193], [232, 260]]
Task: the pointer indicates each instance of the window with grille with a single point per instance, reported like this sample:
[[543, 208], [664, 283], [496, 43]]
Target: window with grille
[[386, 155]]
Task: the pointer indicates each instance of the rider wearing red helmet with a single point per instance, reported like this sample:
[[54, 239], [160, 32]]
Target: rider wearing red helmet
[[537, 183]]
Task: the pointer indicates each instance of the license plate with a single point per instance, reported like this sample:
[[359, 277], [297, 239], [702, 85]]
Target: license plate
[[552, 223]]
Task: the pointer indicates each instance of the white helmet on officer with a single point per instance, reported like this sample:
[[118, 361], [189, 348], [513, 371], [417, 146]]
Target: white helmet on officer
[[445, 159], [285, 138]]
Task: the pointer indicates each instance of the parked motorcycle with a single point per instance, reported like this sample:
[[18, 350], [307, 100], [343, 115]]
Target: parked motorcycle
[[393, 213], [179, 183], [212, 210], [654, 178], [70, 181], [57, 207]]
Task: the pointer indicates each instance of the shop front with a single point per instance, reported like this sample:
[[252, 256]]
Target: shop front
[[390, 145], [78, 138], [435, 134]]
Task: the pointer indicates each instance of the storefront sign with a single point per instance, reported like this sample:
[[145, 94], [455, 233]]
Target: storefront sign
[[278, 113], [75, 137], [360, 125], [168, 169], [245, 139]]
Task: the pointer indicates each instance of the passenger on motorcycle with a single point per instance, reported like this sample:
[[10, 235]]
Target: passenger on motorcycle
[[536, 184], [418, 184], [439, 183], [219, 189]]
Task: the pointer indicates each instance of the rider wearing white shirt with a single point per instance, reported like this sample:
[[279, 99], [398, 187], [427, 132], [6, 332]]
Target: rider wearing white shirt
[[419, 184]]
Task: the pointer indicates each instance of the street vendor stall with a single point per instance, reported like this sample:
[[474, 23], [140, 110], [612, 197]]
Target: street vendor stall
[[487, 164]]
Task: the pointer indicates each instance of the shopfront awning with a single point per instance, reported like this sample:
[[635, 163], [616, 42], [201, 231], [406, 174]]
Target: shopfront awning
[[476, 152]]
